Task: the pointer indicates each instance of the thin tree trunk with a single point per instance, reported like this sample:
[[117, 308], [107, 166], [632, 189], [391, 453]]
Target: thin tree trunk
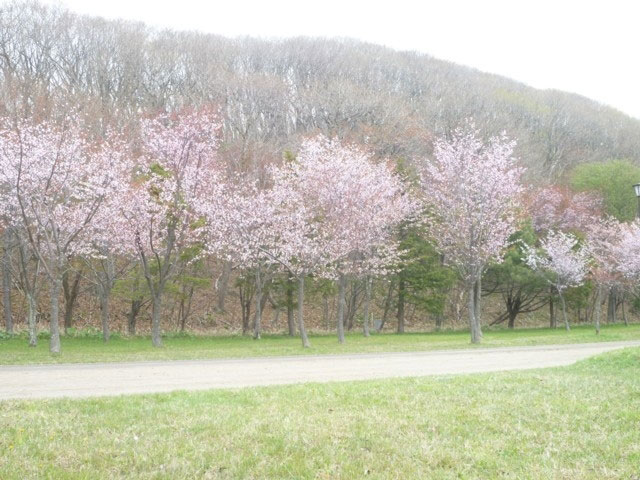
[[474, 324], [367, 301], [223, 285], [156, 310], [301, 327], [342, 304], [624, 314], [32, 310], [54, 327], [291, 324], [401, 305], [553, 323], [611, 307], [104, 312], [325, 311], [598, 309], [70, 294], [132, 316], [564, 311], [387, 306], [6, 281], [439, 321], [258, 315]]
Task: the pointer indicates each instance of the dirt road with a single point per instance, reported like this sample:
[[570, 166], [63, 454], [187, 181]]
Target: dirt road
[[86, 380]]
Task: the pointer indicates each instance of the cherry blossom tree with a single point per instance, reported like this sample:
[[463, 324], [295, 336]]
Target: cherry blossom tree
[[603, 242], [471, 193], [349, 205], [562, 260], [244, 226], [55, 182], [615, 249], [559, 208], [161, 214]]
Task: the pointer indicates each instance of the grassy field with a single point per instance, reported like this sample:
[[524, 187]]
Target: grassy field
[[577, 422], [93, 349]]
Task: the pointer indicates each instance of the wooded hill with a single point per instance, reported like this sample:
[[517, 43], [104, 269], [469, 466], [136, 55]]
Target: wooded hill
[[272, 91]]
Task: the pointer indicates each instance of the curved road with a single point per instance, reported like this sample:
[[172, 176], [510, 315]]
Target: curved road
[[96, 379]]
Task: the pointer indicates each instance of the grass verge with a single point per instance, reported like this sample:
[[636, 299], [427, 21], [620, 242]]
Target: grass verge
[[76, 349], [581, 421]]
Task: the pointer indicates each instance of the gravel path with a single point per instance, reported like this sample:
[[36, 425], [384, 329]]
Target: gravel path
[[96, 379]]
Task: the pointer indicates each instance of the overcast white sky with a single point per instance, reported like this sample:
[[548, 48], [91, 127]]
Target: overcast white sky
[[587, 47]]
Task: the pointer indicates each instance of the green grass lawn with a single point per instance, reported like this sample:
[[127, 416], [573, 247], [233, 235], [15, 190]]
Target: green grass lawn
[[93, 349], [577, 422]]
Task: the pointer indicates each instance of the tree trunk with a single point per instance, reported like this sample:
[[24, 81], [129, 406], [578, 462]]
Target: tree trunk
[[32, 310], [342, 304], [553, 322], [54, 327], [512, 319], [303, 330], [6, 281], [624, 314], [367, 301], [439, 322], [223, 285], [387, 306], [258, 315], [611, 306], [156, 311], [325, 311], [564, 311], [474, 324], [132, 316], [400, 311], [596, 317], [104, 312], [291, 324], [70, 294]]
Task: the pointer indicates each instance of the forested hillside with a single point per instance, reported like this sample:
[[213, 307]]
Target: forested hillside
[[271, 91], [144, 228]]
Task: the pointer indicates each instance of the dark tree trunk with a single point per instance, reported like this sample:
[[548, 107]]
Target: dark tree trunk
[[367, 301], [257, 323], [6, 281], [301, 327], [291, 324], [598, 311], [32, 311], [132, 316], [156, 311], [564, 312], [223, 285], [70, 293], [553, 322], [401, 304], [54, 327], [342, 301], [325, 311], [103, 295], [387, 306], [474, 316], [611, 306]]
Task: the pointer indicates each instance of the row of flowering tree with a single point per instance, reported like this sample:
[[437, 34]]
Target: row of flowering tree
[[163, 199]]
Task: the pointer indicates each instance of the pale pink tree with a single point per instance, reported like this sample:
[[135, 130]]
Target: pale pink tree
[[563, 262], [471, 193], [348, 205], [557, 207], [55, 181], [162, 211], [244, 226], [604, 237], [615, 248]]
